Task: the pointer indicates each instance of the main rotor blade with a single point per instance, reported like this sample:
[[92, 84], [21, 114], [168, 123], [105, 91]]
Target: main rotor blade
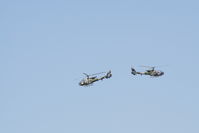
[[97, 73], [86, 74], [148, 66]]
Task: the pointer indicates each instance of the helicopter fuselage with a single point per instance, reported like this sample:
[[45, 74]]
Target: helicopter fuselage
[[88, 81], [154, 73]]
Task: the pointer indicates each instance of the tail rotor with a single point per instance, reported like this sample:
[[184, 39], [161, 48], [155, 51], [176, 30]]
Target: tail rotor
[[133, 71]]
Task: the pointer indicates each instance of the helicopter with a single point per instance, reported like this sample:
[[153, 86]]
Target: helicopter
[[90, 80], [151, 72]]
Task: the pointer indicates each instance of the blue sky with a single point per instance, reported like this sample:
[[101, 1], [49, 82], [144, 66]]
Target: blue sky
[[45, 46]]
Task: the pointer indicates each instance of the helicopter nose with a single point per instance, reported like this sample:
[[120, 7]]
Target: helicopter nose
[[162, 73], [80, 83]]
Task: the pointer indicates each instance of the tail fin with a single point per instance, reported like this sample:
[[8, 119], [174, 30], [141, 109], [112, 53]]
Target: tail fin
[[108, 75], [133, 71]]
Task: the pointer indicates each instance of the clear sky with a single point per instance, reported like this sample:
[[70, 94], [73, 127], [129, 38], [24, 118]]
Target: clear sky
[[46, 45]]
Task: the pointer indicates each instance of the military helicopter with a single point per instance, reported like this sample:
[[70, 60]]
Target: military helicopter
[[151, 72], [90, 80]]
